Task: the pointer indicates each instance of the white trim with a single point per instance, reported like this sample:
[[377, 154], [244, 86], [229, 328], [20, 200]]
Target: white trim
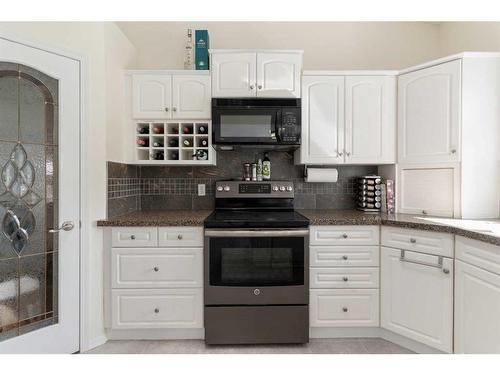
[[173, 72], [255, 51], [85, 341], [350, 72], [156, 334]]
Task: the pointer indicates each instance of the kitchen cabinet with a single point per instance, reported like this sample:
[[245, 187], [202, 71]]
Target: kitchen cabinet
[[348, 119], [477, 297], [417, 297], [243, 73], [370, 119], [429, 114], [171, 96], [428, 190]]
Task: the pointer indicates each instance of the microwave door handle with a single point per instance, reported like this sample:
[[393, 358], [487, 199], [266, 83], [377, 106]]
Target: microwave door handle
[[257, 233], [277, 126]]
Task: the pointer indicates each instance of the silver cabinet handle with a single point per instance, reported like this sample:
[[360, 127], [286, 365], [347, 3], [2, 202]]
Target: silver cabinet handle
[[439, 264], [345, 309], [344, 257], [179, 236], [156, 269], [257, 233], [157, 310], [344, 235], [65, 226], [166, 109], [345, 278], [413, 240]]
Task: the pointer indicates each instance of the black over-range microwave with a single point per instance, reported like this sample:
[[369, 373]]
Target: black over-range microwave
[[272, 122]]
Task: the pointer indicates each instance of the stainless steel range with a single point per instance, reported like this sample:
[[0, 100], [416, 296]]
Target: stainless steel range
[[256, 266]]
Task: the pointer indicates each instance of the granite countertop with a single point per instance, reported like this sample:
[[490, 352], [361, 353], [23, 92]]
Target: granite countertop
[[486, 230], [158, 218], [482, 230]]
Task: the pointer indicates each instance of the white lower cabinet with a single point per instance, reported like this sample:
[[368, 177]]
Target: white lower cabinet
[[417, 297], [344, 307], [157, 286]]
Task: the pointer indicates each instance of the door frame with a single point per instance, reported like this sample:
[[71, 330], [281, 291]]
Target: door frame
[[85, 341]]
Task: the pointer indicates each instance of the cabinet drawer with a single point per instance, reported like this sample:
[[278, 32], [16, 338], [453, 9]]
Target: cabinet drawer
[[345, 235], [157, 268], [156, 308], [477, 253], [344, 308], [344, 256], [181, 236], [134, 236], [418, 240], [344, 277]]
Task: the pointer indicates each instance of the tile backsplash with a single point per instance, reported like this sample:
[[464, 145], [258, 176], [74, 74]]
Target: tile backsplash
[[131, 188]]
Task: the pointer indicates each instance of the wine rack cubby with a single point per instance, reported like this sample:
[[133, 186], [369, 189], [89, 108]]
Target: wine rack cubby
[[173, 142]]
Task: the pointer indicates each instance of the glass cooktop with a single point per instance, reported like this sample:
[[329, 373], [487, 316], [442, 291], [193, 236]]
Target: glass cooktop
[[256, 219]]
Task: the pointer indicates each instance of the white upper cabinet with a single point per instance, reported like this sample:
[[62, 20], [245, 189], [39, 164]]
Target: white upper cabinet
[[233, 74], [429, 114], [170, 96], [191, 97], [248, 74], [322, 120], [151, 96], [370, 119], [278, 75]]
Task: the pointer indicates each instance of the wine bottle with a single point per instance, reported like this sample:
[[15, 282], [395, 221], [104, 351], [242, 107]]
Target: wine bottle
[[201, 155], [143, 130], [204, 143], [202, 130], [187, 143], [158, 130], [174, 155], [142, 142], [158, 155], [173, 142], [157, 144], [266, 167], [186, 130]]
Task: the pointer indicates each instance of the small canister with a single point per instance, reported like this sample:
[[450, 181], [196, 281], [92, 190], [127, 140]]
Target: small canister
[[254, 171], [247, 173]]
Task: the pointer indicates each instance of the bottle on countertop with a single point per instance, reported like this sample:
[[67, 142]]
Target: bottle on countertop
[[266, 167], [259, 170], [254, 171]]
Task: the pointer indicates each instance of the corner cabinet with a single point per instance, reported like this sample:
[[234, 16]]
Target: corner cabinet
[[242, 73], [348, 119], [171, 96]]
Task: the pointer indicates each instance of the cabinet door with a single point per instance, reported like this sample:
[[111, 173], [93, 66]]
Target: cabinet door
[[428, 191], [151, 96], [191, 97], [477, 310], [417, 300], [429, 114], [322, 120], [370, 119], [233, 75], [278, 75]]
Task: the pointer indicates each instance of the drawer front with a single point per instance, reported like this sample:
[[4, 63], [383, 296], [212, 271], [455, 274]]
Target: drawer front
[[344, 308], [181, 236], [345, 235], [343, 277], [418, 240], [154, 308], [134, 237], [344, 256], [477, 253], [157, 268]]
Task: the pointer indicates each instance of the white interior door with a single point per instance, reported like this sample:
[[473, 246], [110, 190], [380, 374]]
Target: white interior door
[[39, 191]]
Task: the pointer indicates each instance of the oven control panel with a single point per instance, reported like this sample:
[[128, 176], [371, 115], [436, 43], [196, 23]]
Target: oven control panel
[[248, 189]]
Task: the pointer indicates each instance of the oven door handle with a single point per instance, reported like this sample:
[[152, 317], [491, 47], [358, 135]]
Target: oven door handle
[[257, 233]]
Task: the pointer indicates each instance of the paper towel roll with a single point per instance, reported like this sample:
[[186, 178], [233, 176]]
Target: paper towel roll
[[322, 175]]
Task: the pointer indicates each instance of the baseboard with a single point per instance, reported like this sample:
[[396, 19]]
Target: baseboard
[[407, 343], [157, 334], [94, 343]]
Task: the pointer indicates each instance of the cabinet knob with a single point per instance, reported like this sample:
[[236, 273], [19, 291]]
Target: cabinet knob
[[424, 212], [344, 257], [453, 151], [348, 154], [345, 309], [166, 109], [345, 279], [413, 240], [179, 236], [157, 310], [344, 235], [132, 237], [252, 87], [156, 269], [174, 109], [340, 153], [446, 271], [260, 87]]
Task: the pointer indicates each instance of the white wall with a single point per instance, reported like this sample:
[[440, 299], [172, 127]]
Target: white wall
[[455, 37], [97, 42], [326, 45]]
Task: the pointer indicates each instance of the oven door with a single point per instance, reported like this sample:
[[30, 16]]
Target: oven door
[[245, 125], [257, 267]]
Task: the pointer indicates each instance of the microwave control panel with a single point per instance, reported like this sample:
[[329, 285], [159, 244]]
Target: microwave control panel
[[290, 126]]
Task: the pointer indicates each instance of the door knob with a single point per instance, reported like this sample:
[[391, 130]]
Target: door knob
[[65, 226]]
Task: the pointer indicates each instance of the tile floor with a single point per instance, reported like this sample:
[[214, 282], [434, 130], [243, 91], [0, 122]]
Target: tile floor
[[315, 346]]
